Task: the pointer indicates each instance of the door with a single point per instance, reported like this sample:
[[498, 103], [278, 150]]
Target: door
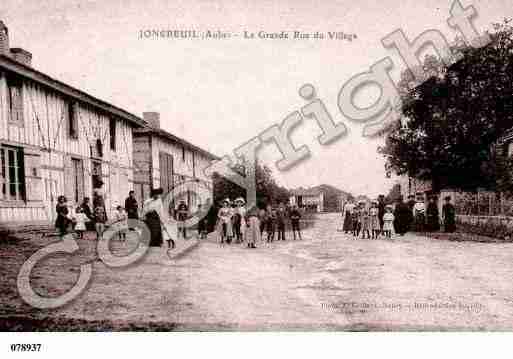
[[96, 174], [77, 182]]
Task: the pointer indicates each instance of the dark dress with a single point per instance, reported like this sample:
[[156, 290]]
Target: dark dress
[[381, 213], [89, 214], [131, 207], [152, 220], [411, 220], [348, 222], [62, 222], [449, 214], [402, 218], [433, 218]]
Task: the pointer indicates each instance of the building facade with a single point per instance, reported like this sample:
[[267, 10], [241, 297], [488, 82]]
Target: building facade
[[312, 199], [56, 140], [163, 160]]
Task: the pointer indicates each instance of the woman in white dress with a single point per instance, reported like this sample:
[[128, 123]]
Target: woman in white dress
[[225, 222]]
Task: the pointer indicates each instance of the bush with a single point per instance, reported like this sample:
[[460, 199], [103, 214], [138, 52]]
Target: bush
[[489, 228]]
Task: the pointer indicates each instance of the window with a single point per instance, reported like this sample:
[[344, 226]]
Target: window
[[112, 131], [193, 165], [72, 119], [183, 153], [15, 99], [12, 174]]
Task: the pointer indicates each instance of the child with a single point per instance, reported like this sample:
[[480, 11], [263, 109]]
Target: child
[[374, 220], [365, 221], [100, 218], [388, 222], [121, 222], [252, 228], [80, 219]]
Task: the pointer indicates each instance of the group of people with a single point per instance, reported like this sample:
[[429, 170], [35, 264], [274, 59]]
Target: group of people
[[380, 218], [85, 217], [237, 224]]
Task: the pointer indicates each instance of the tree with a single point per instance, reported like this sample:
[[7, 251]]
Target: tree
[[267, 190], [452, 121]]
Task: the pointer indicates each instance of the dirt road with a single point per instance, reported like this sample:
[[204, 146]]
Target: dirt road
[[328, 281]]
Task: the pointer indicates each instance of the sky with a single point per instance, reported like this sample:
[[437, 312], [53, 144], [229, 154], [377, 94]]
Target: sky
[[220, 93]]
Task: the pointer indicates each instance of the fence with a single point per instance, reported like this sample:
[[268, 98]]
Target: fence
[[482, 203]]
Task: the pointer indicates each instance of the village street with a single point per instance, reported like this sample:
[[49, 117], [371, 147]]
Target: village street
[[327, 281]]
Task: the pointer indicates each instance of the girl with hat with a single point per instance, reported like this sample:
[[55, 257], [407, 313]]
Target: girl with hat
[[253, 228], [374, 220], [225, 222], [388, 221]]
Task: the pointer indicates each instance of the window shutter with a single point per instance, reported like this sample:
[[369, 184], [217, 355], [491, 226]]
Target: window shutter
[[81, 182], [69, 180], [33, 177], [164, 180]]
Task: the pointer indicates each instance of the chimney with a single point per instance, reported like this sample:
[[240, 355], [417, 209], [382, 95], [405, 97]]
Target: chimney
[[4, 39], [152, 118], [22, 56]]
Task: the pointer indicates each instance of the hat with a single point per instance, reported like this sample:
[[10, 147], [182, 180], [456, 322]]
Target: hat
[[240, 200], [226, 200], [156, 191], [389, 206]]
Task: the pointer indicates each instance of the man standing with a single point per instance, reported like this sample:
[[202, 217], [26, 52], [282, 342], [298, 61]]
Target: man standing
[[411, 204], [295, 216], [280, 222], [381, 210], [182, 213]]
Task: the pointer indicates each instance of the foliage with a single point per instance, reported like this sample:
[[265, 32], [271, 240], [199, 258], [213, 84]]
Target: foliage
[[394, 194], [453, 120], [267, 190]]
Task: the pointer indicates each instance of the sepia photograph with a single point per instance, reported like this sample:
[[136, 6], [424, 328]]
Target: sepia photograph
[[255, 166]]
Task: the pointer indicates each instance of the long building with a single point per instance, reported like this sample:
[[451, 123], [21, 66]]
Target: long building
[[58, 140], [163, 160]]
